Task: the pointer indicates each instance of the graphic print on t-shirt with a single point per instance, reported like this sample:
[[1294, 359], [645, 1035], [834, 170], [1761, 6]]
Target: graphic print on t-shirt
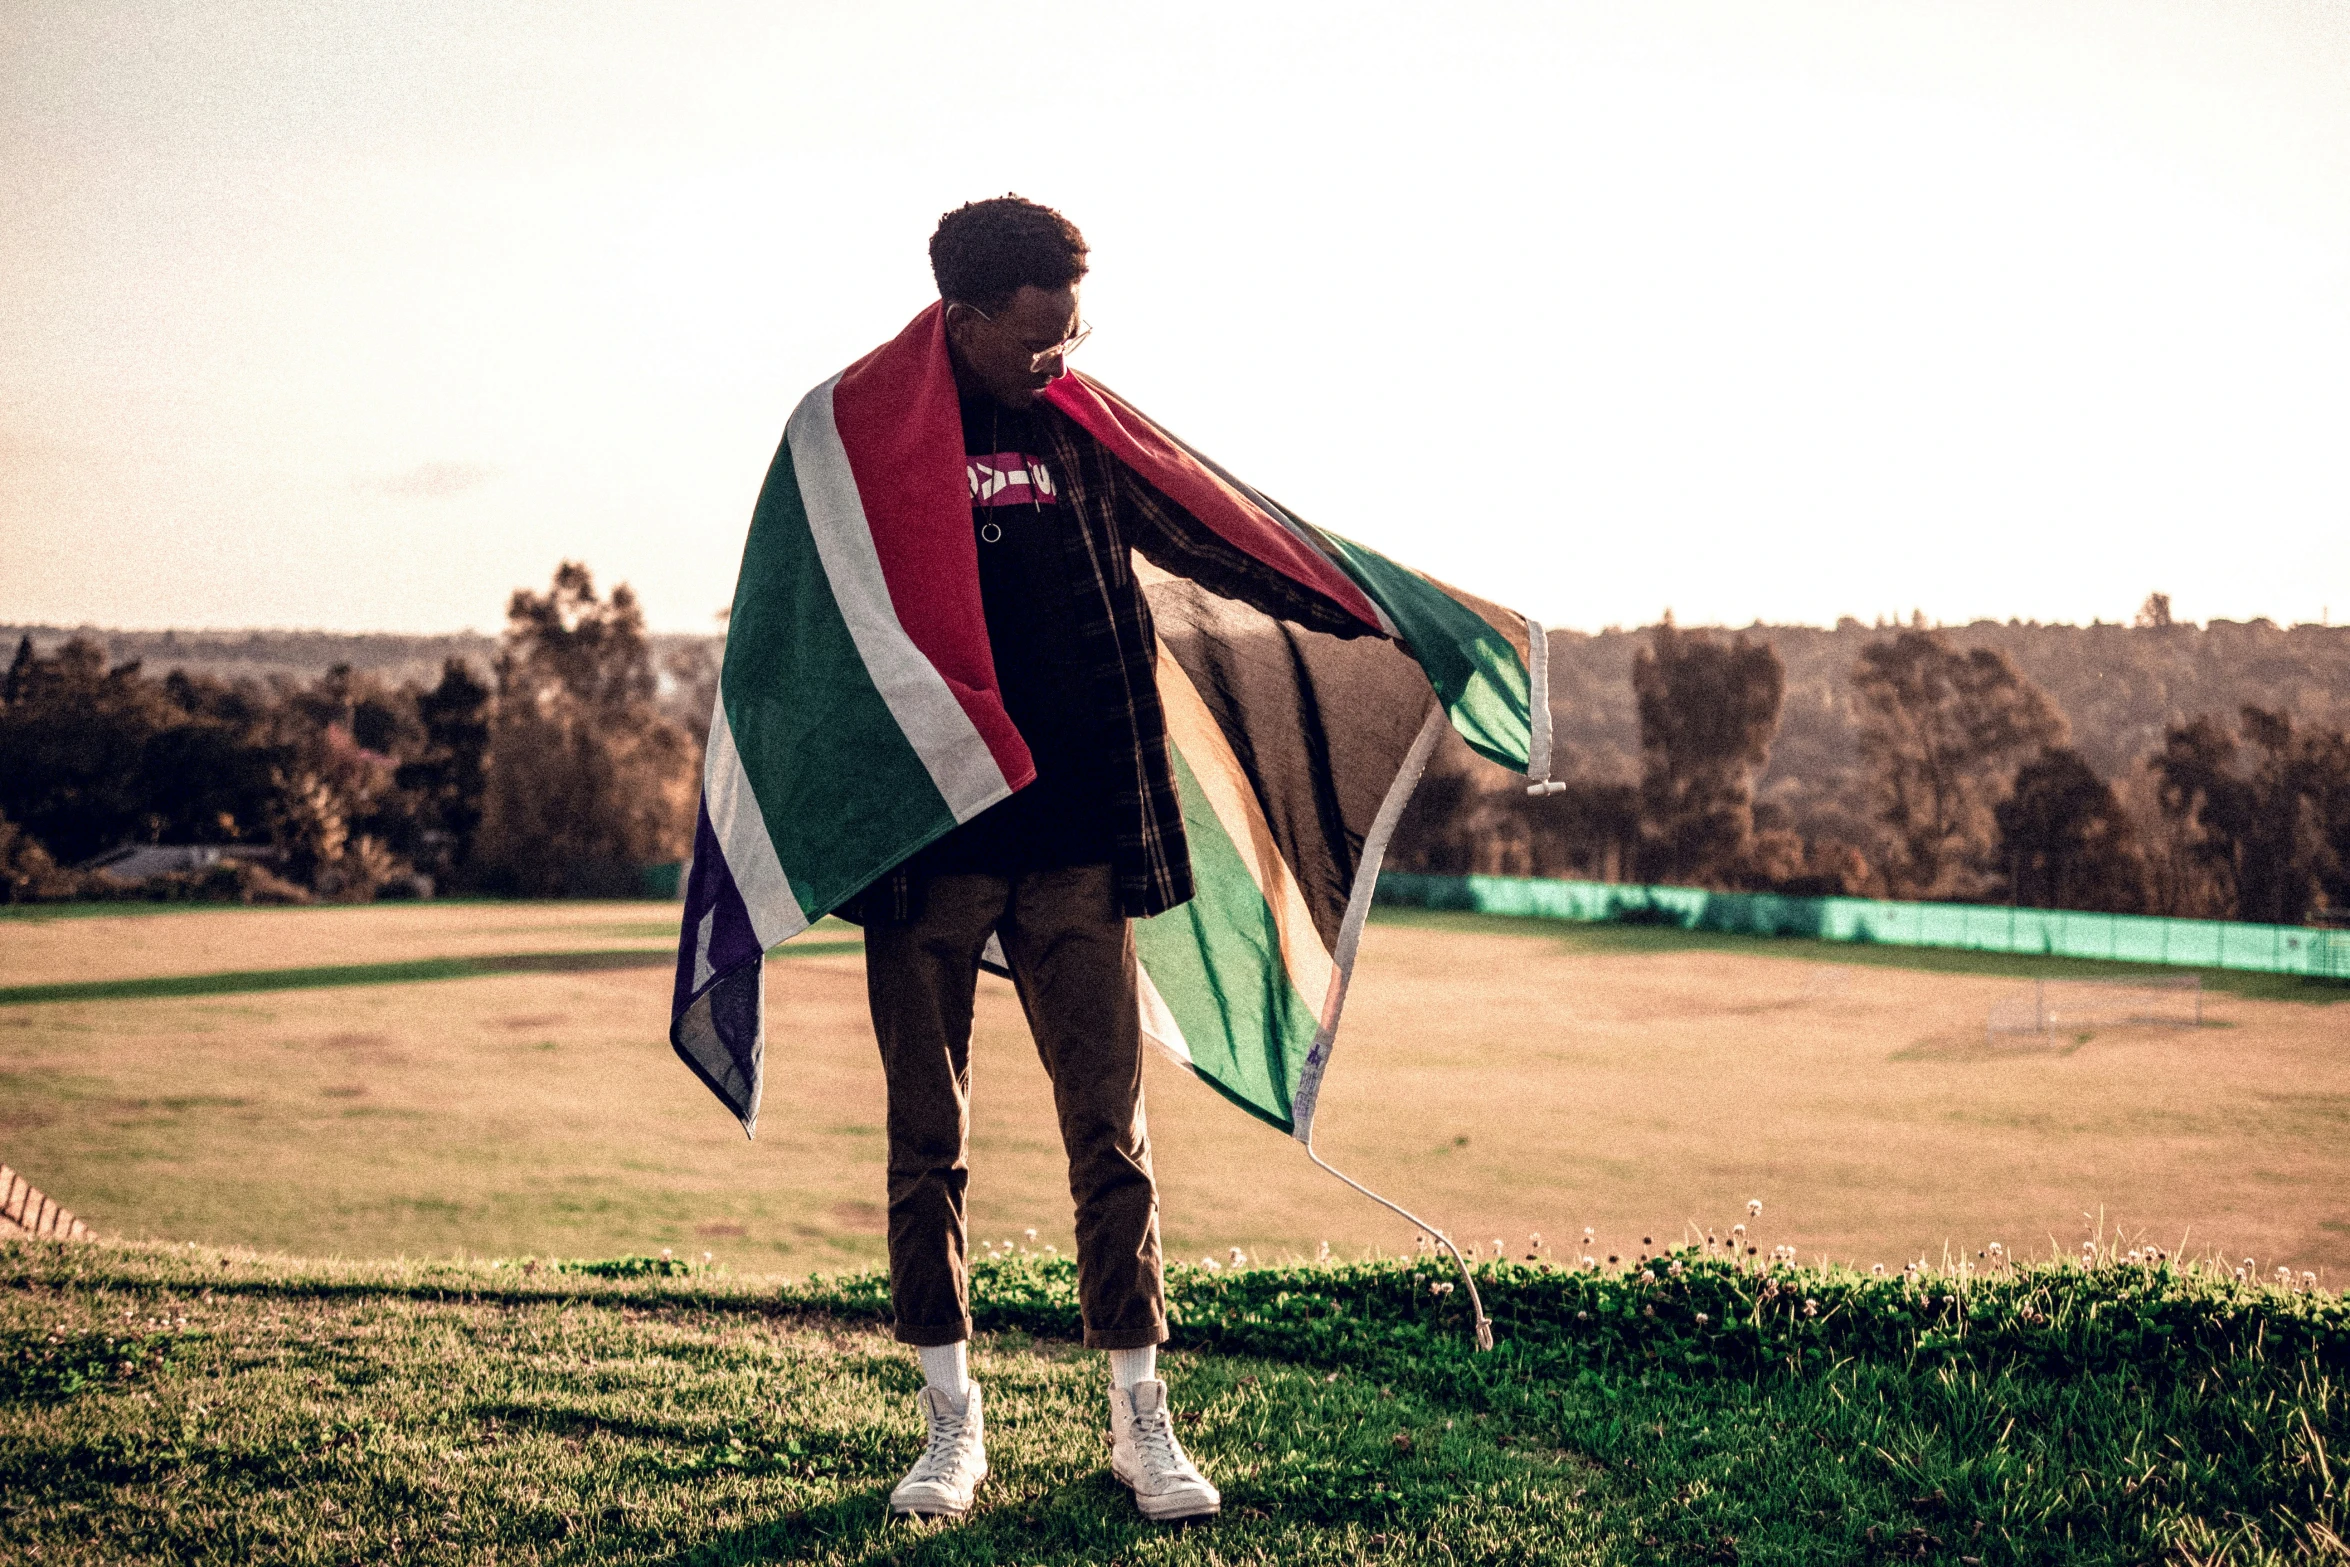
[[1009, 479]]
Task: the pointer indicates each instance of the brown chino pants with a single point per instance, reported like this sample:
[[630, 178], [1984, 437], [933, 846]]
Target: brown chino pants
[[1072, 958]]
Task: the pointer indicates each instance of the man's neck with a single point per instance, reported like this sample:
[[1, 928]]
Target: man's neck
[[969, 387]]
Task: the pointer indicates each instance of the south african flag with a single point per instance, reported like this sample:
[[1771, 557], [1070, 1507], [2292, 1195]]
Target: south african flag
[[857, 720]]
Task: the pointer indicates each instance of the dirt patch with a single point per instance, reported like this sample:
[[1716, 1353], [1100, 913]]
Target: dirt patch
[[861, 1218]]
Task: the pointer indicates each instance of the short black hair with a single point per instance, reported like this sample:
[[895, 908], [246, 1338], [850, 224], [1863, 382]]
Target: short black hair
[[984, 252]]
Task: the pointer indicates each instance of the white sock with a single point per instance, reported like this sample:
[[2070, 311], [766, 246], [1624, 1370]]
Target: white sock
[[947, 1367], [1129, 1366]]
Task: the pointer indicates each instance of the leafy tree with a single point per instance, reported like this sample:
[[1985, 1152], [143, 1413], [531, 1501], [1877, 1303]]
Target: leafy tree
[[2327, 778], [2276, 835], [2065, 840], [73, 741], [27, 873], [1941, 730], [449, 776], [588, 781], [1707, 714]]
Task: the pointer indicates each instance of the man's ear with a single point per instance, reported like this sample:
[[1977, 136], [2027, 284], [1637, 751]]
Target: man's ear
[[959, 317]]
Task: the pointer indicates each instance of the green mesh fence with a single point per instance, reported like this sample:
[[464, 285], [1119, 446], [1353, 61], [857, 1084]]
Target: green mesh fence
[[2127, 938]]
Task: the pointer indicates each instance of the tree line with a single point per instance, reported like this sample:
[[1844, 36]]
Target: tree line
[[564, 769], [1967, 786], [1903, 762]]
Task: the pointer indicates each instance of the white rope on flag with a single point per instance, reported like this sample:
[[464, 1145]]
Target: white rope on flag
[[1476, 1304]]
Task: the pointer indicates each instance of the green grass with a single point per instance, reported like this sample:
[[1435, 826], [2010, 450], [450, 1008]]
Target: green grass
[[1637, 939], [132, 908], [330, 976], [177, 1404]]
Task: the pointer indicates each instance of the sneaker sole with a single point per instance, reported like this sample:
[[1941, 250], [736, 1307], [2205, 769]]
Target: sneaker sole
[[1145, 1507], [909, 1510]]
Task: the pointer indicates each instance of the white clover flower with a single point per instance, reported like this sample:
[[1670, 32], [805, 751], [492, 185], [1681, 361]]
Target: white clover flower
[[1590, 1261], [1211, 1264], [1676, 1266], [1754, 1207], [1498, 1248], [1877, 1268], [1031, 1234], [1239, 1257], [665, 1254], [1703, 1319], [1323, 1253], [1811, 1308]]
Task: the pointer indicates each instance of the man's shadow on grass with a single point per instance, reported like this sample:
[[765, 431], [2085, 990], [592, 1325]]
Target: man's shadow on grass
[[1092, 1519]]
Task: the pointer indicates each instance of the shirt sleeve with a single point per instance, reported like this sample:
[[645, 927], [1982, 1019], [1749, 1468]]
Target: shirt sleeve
[[1175, 541]]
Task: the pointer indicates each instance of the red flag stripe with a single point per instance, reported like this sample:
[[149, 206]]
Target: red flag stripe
[[1134, 440], [902, 430]]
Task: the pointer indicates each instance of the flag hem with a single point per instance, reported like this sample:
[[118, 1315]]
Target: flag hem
[[1358, 909]]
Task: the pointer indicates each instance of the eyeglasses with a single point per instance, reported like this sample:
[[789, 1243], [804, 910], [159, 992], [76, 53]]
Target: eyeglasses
[[1060, 350]]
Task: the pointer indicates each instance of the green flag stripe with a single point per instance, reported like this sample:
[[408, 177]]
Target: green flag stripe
[[1217, 963], [808, 722], [1478, 673]]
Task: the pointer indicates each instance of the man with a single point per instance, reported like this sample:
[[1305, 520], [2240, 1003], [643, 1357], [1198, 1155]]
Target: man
[[1054, 872]]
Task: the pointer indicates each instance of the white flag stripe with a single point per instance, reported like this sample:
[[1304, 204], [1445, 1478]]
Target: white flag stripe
[[775, 910], [1158, 1021], [934, 723]]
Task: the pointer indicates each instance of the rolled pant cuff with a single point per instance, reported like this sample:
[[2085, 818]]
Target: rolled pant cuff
[[1125, 1338], [931, 1336]]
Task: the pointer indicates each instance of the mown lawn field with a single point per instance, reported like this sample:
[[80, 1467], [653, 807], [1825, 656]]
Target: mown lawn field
[[182, 1404], [491, 1080]]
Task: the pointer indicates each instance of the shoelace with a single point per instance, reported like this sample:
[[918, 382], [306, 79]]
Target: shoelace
[[938, 1459], [1154, 1433]]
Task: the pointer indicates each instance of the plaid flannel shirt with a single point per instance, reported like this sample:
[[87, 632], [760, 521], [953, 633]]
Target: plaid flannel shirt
[[1117, 511]]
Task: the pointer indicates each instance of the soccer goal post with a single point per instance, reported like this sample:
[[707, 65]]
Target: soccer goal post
[[2051, 1005]]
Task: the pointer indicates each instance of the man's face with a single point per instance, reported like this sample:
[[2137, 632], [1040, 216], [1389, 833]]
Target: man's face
[[999, 354]]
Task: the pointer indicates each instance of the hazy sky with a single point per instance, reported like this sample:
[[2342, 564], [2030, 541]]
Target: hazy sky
[[358, 316]]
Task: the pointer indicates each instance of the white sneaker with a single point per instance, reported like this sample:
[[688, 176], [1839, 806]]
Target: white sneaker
[[951, 1467], [1148, 1461]]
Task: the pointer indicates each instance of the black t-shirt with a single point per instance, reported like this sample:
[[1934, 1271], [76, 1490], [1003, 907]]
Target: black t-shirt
[[1026, 587]]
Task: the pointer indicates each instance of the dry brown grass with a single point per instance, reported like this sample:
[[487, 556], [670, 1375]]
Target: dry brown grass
[[1498, 1081]]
